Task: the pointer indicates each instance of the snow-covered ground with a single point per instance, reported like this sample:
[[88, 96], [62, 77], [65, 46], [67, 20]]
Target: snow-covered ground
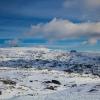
[[34, 84], [79, 62], [45, 74]]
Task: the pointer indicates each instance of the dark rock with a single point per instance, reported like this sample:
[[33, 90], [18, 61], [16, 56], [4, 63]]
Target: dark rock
[[56, 82], [47, 82], [31, 80], [74, 85], [68, 71], [30, 94], [10, 82], [93, 90], [52, 81], [0, 92], [50, 87]]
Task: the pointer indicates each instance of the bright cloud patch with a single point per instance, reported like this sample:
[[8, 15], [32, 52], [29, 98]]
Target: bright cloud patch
[[63, 29]]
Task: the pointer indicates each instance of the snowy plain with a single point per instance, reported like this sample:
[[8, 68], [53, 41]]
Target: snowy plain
[[47, 83]]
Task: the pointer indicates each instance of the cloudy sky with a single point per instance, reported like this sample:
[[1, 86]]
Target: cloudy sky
[[58, 24]]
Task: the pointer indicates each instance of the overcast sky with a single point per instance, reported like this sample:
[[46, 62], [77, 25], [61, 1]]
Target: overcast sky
[[64, 24]]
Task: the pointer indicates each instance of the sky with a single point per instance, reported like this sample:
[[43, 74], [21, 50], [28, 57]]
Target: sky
[[56, 24]]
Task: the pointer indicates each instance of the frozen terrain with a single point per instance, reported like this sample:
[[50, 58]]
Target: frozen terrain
[[44, 74], [33, 84], [73, 61]]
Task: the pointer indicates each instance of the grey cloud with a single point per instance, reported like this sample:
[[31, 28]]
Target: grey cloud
[[61, 29]]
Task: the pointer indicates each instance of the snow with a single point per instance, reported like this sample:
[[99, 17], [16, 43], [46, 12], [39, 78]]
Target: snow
[[27, 74], [30, 84]]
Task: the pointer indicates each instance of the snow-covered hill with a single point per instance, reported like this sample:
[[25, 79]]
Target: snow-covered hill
[[73, 61]]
